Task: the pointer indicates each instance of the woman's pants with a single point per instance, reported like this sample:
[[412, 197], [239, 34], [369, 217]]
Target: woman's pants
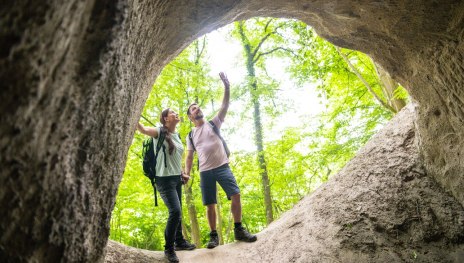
[[170, 189]]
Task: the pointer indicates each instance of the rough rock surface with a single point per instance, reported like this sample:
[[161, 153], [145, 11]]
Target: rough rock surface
[[382, 207], [74, 76]]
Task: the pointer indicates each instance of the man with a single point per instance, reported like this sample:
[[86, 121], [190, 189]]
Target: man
[[214, 167]]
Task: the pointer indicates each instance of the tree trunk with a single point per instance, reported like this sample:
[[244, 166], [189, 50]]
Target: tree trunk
[[192, 213], [219, 219], [185, 231], [262, 161], [229, 227], [258, 125]]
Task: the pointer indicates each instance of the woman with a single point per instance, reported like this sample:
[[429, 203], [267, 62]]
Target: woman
[[169, 177]]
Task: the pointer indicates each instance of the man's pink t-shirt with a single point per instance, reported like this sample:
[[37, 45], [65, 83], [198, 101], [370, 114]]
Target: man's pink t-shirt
[[209, 147]]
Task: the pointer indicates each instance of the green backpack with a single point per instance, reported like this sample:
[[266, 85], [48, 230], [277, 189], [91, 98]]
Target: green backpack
[[149, 157]]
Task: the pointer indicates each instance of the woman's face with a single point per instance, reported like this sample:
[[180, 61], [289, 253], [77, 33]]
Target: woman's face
[[172, 117]]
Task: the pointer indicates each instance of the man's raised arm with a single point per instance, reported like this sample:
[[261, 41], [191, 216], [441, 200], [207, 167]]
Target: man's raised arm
[[225, 101]]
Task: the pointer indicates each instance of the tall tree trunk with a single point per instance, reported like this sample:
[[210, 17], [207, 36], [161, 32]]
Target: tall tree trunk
[[219, 219], [229, 228], [185, 231], [192, 213], [250, 58], [262, 161]]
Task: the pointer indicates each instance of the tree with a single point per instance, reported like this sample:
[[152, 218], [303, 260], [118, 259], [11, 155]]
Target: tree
[[387, 84], [359, 97], [260, 38]]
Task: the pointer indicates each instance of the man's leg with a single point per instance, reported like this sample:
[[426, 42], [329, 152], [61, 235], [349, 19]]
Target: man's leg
[[211, 214], [213, 235], [208, 194], [236, 208], [227, 181]]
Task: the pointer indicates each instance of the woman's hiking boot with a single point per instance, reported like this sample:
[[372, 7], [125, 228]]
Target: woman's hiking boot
[[170, 255], [184, 245], [242, 234], [213, 240]]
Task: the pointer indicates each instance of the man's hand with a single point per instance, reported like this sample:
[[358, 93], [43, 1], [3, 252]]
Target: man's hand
[[185, 177], [224, 79]]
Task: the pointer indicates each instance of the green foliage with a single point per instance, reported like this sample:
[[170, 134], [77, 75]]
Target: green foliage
[[288, 170], [302, 156], [265, 39], [352, 115], [401, 93]]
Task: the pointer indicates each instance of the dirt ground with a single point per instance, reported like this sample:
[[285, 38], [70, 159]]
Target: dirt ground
[[382, 207]]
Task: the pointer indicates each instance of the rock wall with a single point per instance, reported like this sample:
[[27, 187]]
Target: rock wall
[[64, 136], [74, 77]]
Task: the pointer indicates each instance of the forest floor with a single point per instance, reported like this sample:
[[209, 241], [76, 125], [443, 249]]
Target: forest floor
[[381, 207]]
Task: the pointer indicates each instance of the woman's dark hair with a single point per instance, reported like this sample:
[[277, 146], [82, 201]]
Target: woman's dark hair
[[168, 139]]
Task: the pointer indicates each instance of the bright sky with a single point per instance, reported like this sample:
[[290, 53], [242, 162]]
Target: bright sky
[[224, 54]]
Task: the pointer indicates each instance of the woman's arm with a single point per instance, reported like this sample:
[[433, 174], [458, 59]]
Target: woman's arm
[[150, 131]]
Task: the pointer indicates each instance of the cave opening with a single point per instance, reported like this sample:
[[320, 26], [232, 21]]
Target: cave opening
[[343, 96]]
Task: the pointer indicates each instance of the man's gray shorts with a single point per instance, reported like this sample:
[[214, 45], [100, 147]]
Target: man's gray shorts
[[223, 175]]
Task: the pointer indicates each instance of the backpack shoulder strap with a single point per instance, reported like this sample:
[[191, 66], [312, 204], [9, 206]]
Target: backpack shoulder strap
[[161, 137], [218, 133], [160, 144], [190, 137], [211, 122], [215, 128], [191, 140]]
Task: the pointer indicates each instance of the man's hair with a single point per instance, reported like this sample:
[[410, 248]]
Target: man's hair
[[188, 109]]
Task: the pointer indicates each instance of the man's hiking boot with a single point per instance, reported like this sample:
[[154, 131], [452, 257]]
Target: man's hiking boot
[[184, 245], [170, 255], [242, 234], [213, 240]]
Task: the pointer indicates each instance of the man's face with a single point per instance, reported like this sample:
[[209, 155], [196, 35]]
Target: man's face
[[195, 112]]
